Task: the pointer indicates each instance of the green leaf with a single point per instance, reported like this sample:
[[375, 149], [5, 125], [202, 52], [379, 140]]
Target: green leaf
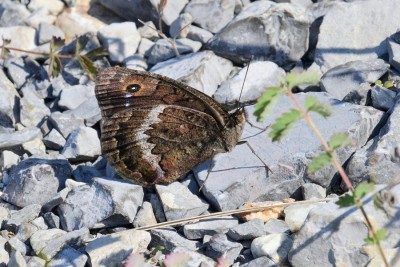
[[88, 66], [346, 200], [97, 52], [313, 104], [81, 43], [381, 234], [301, 78], [56, 43], [55, 66], [388, 84], [267, 102], [283, 124], [369, 240], [362, 189], [379, 82], [319, 162], [339, 140]]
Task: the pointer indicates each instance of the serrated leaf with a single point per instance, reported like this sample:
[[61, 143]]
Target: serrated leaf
[[283, 124], [319, 162], [339, 140], [313, 104], [134, 260], [301, 78], [55, 66], [88, 66], [381, 234], [81, 43], [379, 82], [346, 200], [266, 102], [362, 189], [56, 43], [388, 84], [97, 52], [176, 259], [6, 41]]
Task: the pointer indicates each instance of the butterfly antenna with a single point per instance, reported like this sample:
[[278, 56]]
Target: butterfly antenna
[[245, 76]]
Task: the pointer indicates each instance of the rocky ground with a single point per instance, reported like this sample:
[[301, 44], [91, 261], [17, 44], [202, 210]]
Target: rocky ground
[[63, 205]]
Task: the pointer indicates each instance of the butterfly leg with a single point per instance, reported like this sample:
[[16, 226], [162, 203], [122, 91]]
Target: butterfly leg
[[254, 152], [208, 174]]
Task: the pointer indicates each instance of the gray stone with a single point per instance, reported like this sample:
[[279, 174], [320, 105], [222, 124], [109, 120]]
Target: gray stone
[[274, 246], [162, 50], [247, 230], [36, 262], [39, 83], [56, 200], [8, 159], [339, 233], [144, 47], [344, 79], [52, 220], [15, 244], [261, 261], [110, 250], [105, 202], [4, 256], [275, 226], [157, 208], [85, 174], [296, 215], [338, 43], [88, 110], [65, 122], [73, 96], [82, 144], [27, 214], [195, 258], [27, 134], [34, 147], [40, 223], [382, 98], [311, 190], [222, 13], [248, 179], [54, 140], [379, 159], [170, 239], [47, 243], [203, 71], [394, 54], [260, 75], [36, 181], [252, 33], [68, 257], [149, 31], [145, 216], [16, 259], [198, 34], [12, 13], [26, 230], [8, 102], [211, 226], [136, 62], [180, 27], [39, 16], [47, 31], [120, 39], [360, 95], [4, 214], [20, 69], [33, 110], [219, 246], [178, 202]]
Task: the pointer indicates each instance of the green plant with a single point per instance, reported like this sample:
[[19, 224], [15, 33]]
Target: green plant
[[55, 65], [283, 124]]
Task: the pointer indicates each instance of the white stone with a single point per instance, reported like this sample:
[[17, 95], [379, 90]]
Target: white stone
[[54, 6], [120, 39], [22, 37], [274, 246], [82, 142], [296, 215]]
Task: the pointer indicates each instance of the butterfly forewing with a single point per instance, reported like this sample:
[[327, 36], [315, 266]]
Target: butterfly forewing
[[155, 129]]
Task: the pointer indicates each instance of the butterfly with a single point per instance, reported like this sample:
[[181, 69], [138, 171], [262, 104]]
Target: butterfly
[[154, 129]]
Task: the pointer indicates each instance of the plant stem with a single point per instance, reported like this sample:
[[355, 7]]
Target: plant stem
[[341, 171], [36, 53]]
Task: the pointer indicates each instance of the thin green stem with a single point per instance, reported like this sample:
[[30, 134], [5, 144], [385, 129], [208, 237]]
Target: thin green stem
[[341, 171], [36, 53]]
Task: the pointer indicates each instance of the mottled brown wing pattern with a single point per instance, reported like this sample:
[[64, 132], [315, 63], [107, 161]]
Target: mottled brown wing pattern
[[160, 129]]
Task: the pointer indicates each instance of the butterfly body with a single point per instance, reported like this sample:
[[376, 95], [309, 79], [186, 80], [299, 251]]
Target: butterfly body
[[155, 129]]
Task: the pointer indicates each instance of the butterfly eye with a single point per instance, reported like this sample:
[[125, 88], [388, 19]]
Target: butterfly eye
[[133, 88]]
